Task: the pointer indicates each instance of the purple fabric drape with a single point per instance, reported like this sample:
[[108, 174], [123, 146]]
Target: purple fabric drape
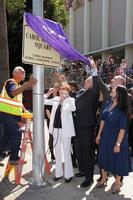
[[53, 34]]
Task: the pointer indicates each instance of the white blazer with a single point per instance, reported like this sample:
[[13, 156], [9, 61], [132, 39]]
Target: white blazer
[[67, 107]]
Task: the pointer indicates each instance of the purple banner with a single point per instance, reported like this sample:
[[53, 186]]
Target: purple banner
[[53, 34]]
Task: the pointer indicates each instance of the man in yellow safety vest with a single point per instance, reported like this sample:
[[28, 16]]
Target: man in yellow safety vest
[[11, 108]]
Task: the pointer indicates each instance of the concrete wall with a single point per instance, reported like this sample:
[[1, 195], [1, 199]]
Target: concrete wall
[[95, 25], [117, 15], [79, 29], [104, 36]]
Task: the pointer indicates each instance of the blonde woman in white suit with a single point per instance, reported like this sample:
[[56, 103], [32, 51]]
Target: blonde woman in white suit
[[62, 128]]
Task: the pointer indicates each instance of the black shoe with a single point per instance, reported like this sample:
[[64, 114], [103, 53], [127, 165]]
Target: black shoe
[[86, 183], [80, 174], [57, 178], [68, 180]]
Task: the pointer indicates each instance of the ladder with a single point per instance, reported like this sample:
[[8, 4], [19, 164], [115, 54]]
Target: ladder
[[26, 138]]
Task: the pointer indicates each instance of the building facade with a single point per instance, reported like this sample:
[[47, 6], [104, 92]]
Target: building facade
[[102, 27]]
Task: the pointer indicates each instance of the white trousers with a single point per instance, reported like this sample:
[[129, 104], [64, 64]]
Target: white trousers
[[65, 142]]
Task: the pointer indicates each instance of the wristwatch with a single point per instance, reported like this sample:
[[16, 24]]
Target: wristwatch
[[118, 144]]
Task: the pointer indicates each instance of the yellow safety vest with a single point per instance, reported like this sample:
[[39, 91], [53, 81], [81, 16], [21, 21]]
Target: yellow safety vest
[[11, 105]]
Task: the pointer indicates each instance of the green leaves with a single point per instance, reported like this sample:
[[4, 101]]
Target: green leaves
[[55, 10], [15, 6]]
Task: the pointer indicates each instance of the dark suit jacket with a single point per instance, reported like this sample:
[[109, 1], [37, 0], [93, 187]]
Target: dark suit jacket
[[87, 104]]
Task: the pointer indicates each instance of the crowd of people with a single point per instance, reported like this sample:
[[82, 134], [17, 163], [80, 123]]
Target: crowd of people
[[102, 116], [110, 68], [92, 124], [106, 69]]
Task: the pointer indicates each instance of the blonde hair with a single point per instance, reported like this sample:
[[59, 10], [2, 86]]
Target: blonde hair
[[66, 87]]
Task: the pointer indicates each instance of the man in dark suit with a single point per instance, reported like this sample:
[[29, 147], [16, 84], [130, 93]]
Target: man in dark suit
[[86, 107]]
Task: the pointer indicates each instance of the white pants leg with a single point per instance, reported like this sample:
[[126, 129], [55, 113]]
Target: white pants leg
[[68, 168], [58, 152]]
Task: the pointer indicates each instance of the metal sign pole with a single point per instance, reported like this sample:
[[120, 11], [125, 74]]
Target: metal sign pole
[[38, 113]]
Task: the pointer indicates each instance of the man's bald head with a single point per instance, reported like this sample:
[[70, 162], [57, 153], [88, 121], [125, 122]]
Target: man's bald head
[[118, 80]]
